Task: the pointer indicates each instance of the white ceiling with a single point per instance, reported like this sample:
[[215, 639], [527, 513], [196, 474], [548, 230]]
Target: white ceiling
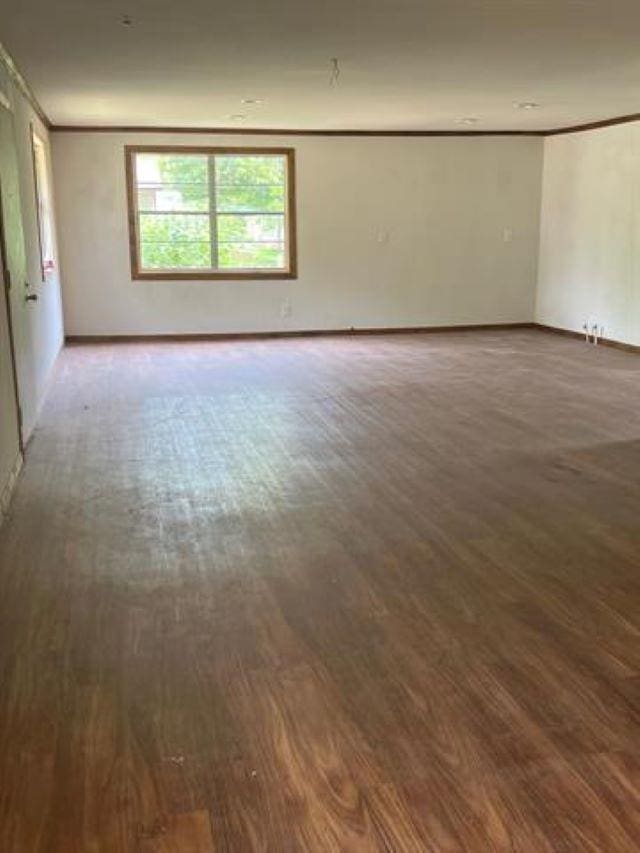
[[405, 64]]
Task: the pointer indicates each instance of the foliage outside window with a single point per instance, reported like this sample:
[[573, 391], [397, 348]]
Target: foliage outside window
[[211, 213]]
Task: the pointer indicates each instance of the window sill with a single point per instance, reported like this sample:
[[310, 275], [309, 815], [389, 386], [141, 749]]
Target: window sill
[[271, 275]]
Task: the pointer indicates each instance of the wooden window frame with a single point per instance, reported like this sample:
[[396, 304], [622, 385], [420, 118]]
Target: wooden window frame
[[138, 274]]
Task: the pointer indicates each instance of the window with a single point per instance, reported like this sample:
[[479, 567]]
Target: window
[[207, 213], [44, 211]]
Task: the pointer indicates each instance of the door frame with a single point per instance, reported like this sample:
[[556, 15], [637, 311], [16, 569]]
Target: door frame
[[6, 286]]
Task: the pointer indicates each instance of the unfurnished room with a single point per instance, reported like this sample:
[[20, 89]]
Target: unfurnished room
[[319, 426]]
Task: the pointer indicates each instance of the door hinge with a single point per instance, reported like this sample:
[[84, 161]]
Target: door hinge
[[20, 419], [7, 278]]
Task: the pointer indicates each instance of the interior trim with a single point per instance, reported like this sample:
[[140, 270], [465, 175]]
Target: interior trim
[[319, 333], [571, 333], [140, 274], [6, 493], [301, 333], [594, 125], [21, 83], [280, 131], [288, 131], [37, 190]]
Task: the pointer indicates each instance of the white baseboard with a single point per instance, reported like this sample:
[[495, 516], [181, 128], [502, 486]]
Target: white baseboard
[[7, 490]]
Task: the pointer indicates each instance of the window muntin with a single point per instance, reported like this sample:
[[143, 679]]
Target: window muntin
[[211, 213]]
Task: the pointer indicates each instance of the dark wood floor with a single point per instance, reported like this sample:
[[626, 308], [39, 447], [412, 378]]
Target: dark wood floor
[[326, 595]]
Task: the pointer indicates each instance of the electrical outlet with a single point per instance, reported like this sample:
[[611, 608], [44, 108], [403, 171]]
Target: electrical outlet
[[507, 235]]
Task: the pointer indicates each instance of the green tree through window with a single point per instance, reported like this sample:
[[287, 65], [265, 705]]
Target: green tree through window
[[219, 211]]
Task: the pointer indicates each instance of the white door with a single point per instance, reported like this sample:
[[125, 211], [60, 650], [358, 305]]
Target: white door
[[10, 440], [15, 264]]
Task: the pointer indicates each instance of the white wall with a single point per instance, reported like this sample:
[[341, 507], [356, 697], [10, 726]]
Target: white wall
[[589, 241], [439, 205]]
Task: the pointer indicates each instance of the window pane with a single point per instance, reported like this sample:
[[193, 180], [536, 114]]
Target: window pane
[[250, 169], [243, 228], [170, 197], [196, 210], [172, 182], [173, 227], [250, 199], [175, 255], [251, 256], [172, 169], [250, 183]]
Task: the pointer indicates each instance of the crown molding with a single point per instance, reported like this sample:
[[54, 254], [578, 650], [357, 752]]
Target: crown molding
[[280, 131], [594, 125], [12, 70], [288, 131]]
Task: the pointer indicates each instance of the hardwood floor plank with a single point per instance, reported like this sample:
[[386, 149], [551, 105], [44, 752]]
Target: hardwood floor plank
[[349, 594]]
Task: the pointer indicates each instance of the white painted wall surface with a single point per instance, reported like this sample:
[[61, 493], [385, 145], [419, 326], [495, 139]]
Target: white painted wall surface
[[589, 242], [391, 232]]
